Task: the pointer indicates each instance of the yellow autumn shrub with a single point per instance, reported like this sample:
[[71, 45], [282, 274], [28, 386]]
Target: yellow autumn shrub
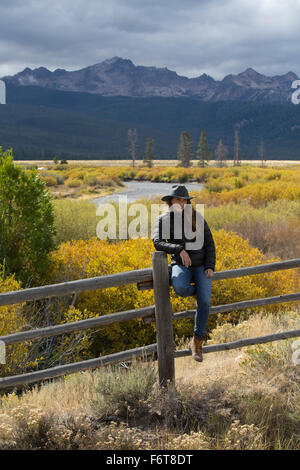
[[257, 194], [73, 183], [95, 257], [50, 180], [12, 321], [85, 259]]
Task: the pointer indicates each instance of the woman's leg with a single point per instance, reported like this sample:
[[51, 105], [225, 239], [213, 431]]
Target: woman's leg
[[203, 286], [181, 278]]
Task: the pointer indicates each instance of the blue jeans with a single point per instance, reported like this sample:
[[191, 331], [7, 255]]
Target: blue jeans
[[181, 279]]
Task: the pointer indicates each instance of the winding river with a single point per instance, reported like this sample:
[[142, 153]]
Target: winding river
[[137, 189]]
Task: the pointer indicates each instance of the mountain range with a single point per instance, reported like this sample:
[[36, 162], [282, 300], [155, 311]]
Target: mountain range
[[120, 77], [86, 114]]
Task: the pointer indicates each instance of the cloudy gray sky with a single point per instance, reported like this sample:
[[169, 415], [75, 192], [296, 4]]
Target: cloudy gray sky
[[217, 37]]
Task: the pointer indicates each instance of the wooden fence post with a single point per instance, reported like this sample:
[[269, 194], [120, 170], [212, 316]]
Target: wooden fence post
[[163, 316]]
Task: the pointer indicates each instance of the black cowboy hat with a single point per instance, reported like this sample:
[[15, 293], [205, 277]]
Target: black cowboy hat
[[178, 190]]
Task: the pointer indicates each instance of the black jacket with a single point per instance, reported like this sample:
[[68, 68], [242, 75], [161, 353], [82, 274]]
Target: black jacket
[[205, 255]]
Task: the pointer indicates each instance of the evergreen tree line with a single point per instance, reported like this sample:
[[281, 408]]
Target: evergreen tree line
[[203, 154], [186, 153], [185, 150]]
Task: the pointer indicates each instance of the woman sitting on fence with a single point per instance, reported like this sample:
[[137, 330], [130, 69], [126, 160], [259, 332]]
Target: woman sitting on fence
[[188, 265]]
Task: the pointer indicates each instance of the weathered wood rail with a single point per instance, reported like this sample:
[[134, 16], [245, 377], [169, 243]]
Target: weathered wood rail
[[157, 278]]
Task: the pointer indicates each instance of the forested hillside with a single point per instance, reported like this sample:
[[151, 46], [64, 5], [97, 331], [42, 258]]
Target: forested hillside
[[38, 122]]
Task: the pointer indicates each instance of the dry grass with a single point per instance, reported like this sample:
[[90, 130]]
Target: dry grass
[[240, 399], [225, 364]]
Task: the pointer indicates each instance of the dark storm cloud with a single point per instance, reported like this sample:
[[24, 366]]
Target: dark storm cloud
[[191, 36]]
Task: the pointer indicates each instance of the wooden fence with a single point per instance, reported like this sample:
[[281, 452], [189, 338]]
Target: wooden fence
[[158, 278]]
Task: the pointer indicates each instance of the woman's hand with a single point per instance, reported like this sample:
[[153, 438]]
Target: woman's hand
[[209, 272], [185, 258]]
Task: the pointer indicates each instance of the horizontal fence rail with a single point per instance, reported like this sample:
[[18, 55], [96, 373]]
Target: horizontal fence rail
[[72, 287], [95, 322], [232, 273], [147, 313], [138, 276], [242, 343], [66, 369], [144, 351], [161, 313]]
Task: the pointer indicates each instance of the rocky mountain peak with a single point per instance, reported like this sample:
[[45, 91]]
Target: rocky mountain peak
[[119, 76], [250, 72]]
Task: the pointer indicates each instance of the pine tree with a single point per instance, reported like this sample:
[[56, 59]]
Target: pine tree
[[132, 137], [236, 148], [148, 159], [221, 153], [185, 149], [203, 154], [261, 151]]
